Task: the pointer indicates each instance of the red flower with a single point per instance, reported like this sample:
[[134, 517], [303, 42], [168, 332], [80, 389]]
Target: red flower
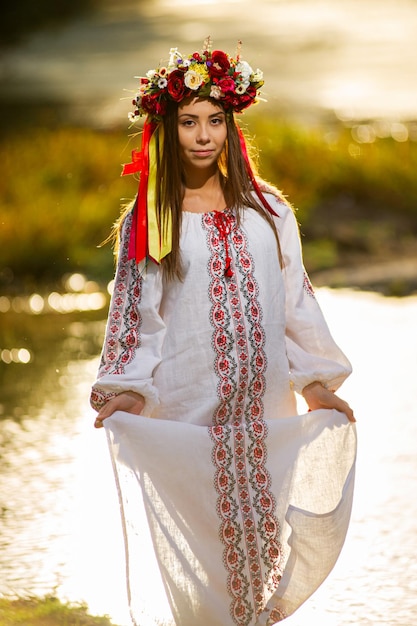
[[219, 315], [232, 557], [258, 452], [152, 105], [225, 507], [227, 85], [236, 584], [265, 502], [219, 64], [226, 389], [220, 456], [258, 428], [176, 85], [221, 342], [259, 360], [223, 365], [244, 100], [273, 552], [270, 527], [130, 339]]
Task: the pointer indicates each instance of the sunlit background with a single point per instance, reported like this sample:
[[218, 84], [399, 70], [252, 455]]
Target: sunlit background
[[358, 59], [338, 133]]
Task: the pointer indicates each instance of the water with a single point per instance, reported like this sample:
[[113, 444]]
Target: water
[[355, 57], [59, 520], [60, 528]]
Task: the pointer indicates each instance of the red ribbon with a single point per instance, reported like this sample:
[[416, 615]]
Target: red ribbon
[[135, 166], [251, 174], [138, 243]]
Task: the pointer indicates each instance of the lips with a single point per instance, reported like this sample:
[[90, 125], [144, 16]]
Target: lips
[[202, 153]]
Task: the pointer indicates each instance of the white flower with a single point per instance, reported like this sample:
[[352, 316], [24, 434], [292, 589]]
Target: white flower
[[162, 83], [193, 80], [174, 56], [258, 76], [132, 117], [216, 92], [242, 88], [244, 69], [150, 74]]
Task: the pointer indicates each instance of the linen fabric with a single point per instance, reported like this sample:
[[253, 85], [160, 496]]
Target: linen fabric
[[234, 507]]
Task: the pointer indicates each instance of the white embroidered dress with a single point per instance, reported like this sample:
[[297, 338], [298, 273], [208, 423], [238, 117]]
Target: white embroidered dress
[[234, 507]]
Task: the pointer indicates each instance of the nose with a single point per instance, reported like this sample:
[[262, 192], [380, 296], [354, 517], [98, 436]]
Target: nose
[[203, 135]]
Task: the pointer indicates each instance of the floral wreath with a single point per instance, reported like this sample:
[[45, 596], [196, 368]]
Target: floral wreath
[[209, 74], [231, 82]]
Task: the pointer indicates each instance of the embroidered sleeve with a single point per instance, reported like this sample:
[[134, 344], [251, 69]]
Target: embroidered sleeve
[[134, 332], [312, 352]]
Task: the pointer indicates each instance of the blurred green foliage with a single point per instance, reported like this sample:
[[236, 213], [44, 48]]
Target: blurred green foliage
[[59, 194], [61, 190], [355, 200]]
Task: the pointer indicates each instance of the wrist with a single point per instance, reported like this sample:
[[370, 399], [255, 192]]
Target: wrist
[[311, 386]]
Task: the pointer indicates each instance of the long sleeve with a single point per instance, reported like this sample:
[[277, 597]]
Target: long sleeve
[[312, 352], [134, 333]]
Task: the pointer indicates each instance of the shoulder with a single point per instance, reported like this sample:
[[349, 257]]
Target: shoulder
[[275, 198], [123, 224]]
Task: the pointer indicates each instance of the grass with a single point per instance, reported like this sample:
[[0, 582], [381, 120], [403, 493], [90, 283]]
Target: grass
[[61, 190], [354, 199], [47, 611]]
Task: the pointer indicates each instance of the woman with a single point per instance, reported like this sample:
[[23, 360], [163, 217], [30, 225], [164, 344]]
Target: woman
[[213, 326]]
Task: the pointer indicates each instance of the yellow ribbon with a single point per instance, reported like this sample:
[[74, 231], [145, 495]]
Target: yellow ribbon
[[159, 235]]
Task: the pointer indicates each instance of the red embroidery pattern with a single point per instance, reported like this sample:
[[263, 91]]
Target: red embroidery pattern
[[123, 327], [99, 398], [249, 529], [308, 287], [277, 615], [225, 319]]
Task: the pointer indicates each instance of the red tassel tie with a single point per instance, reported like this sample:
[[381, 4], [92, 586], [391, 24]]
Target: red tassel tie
[[252, 175], [223, 223]]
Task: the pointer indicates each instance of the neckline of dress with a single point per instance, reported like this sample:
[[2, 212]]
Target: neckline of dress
[[225, 210]]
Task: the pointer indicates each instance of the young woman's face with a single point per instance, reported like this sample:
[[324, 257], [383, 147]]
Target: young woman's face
[[202, 133]]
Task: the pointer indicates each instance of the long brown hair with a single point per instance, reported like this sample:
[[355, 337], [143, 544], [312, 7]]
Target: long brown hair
[[234, 178]]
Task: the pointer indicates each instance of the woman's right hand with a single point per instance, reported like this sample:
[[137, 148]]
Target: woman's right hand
[[128, 401], [318, 397]]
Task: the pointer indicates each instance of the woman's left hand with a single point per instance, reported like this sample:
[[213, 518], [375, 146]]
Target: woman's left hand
[[127, 401], [318, 397]]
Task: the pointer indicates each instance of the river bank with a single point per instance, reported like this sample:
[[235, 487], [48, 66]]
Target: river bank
[[47, 611], [391, 277]]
